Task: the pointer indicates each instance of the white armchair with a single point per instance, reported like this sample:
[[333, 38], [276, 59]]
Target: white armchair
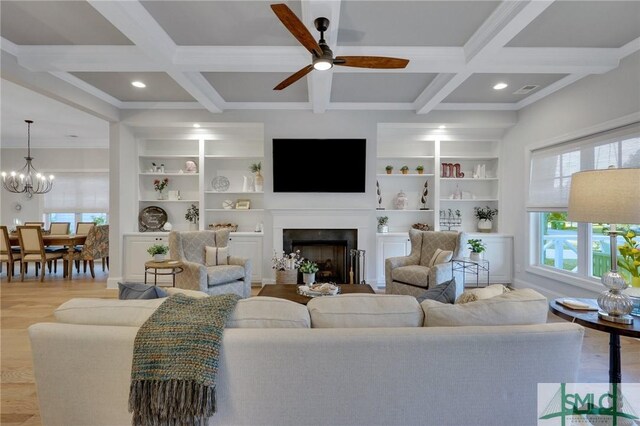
[[413, 274], [190, 248]]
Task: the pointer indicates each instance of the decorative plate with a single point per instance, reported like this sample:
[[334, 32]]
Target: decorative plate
[[151, 218], [220, 183]]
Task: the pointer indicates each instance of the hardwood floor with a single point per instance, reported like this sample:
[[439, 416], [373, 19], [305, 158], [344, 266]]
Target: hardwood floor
[[23, 304]]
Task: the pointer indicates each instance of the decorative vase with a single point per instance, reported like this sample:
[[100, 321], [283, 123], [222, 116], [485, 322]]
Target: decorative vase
[[161, 195], [289, 276], [193, 226], [383, 228], [158, 257], [401, 201], [485, 225], [246, 184], [474, 256], [309, 278], [258, 182]]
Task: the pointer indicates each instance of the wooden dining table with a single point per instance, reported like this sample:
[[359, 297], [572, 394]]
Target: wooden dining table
[[68, 241]]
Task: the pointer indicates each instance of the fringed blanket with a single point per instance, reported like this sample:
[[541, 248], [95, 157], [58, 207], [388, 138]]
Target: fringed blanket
[[175, 361]]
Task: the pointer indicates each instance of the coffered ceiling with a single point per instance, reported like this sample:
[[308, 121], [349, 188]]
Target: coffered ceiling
[[223, 55]]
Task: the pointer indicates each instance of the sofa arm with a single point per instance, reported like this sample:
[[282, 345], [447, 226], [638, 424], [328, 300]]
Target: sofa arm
[[193, 276], [246, 264], [396, 262], [443, 272]]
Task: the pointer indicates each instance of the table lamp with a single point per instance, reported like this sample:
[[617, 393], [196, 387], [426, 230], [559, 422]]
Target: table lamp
[[608, 196]]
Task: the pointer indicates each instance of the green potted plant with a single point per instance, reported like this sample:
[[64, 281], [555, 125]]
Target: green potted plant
[[193, 216], [158, 251], [256, 168], [477, 247], [404, 170], [485, 218], [382, 224], [309, 269], [389, 169], [420, 169]]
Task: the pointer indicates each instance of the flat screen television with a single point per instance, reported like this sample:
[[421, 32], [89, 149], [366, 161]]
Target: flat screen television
[[319, 165]]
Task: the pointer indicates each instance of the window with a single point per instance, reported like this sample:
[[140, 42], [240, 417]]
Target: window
[[579, 249], [78, 197]]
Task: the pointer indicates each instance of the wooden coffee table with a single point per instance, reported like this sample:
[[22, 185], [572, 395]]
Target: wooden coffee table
[[290, 291]]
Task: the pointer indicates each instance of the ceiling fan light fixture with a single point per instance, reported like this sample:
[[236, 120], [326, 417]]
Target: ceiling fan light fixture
[[322, 64]]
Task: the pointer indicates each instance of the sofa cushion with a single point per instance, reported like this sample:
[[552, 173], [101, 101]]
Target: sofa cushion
[[412, 274], [473, 294], [215, 256], [269, 312], [131, 313], [517, 307], [139, 291], [440, 256], [365, 310], [444, 293], [223, 274]]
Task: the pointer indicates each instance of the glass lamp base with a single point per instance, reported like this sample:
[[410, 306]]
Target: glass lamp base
[[620, 319]]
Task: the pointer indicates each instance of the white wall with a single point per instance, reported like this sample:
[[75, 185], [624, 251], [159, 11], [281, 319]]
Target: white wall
[[574, 111], [45, 160]]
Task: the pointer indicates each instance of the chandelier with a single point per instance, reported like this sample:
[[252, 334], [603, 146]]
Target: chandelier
[[27, 179]]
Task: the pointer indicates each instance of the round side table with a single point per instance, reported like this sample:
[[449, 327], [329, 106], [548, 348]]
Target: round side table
[[166, 267]]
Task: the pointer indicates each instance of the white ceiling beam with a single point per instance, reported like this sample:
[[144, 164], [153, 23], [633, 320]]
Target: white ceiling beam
[[319, 82], [291, 58], [564, 82], [477, 106], [137, 24], [507, 20]]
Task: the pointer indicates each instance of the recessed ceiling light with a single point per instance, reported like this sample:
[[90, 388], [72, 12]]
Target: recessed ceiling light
[[138, 84], [442, 126], [500, 86], [196, 125]]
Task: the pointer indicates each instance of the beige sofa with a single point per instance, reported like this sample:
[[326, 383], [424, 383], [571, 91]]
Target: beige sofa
[[344, 360]]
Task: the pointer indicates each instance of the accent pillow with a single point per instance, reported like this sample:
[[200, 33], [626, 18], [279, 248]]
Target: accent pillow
[[445, 292], [473, 294], [440, 256], [215, 256], [269, 312], [128, 291], [518, 307]]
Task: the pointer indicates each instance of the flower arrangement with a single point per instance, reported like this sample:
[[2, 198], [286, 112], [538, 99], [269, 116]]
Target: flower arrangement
[[476, 245], [160, 184], [309, 267], [286, 262], [158, 249], [486, 213], [630, 252], [256, 167], [193, 214]]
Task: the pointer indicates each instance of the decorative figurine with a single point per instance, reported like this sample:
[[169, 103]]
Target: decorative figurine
[[423, 198], [379, 197]]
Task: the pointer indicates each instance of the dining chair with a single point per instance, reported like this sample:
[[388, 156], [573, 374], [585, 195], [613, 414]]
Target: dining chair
[[40, 224], [59, 228], [7, 253], [82, 228], [96, 246], [32, 249]]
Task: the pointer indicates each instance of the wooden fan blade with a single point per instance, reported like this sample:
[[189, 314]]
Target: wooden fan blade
[[370, 62], [297, 28], [294, 77]]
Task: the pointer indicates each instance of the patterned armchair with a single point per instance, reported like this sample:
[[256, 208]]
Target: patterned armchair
[[190, 248], [413, 274], [96, 246]]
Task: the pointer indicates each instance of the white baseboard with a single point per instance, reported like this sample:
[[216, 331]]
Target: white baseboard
[[112, 283]]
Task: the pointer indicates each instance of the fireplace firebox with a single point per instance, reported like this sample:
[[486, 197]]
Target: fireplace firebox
[[329, 248]]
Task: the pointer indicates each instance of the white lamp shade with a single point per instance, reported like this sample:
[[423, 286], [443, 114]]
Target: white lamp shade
[[609, 196]]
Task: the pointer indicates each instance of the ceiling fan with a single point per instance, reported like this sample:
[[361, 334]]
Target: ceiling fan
[[322, 56]]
